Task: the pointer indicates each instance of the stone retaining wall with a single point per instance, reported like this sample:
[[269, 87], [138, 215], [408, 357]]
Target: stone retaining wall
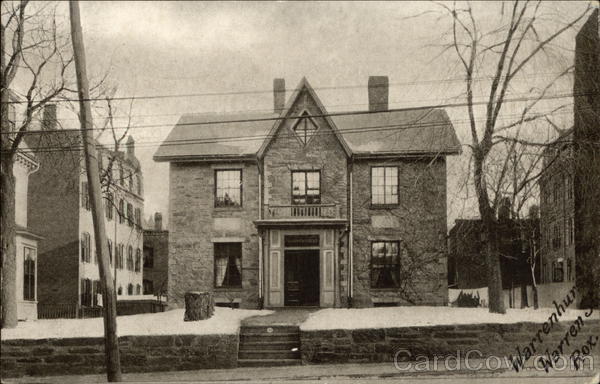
[[138, 354], [380, 345]]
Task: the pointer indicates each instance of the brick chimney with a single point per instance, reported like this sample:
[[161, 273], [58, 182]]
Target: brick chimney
[[130, 146], [49, 122], [278, 95], [378, 93], [158, 221]]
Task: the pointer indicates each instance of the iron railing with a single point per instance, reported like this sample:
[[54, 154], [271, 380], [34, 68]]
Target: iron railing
[[329, 211]]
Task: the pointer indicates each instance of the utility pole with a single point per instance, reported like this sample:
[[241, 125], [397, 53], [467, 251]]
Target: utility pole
[[111, 343]]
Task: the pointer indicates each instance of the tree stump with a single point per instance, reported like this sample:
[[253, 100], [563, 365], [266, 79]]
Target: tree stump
[[198, 306]]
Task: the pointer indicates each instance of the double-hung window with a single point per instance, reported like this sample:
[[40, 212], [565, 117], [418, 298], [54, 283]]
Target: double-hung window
[[129, 258], [85, 247], [385, 264], [306, 187], [29, 274], [228, 188], [228, 265], [138, 260], [121, 211], [130, 218], [384, 185], [85, 196], [108, 206]]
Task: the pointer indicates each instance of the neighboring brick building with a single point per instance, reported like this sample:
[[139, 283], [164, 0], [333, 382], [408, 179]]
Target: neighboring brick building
[[587, 178], [304, 208], [60, 211], [570, 196], [467, 266], [156, 258]]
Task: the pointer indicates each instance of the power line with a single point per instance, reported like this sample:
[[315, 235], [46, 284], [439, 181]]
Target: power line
[[267, 110], [333, 114], [348, 131], [253, 92]]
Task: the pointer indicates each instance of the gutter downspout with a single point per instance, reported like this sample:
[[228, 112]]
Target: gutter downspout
[[350, 247], [260, 239]]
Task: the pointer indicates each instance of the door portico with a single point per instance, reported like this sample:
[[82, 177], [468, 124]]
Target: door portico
[[300, 267]]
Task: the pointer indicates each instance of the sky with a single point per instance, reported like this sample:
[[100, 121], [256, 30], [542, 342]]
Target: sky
[[170, 48]]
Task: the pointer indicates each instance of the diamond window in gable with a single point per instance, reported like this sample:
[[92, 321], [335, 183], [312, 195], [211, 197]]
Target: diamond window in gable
[[305, 128]]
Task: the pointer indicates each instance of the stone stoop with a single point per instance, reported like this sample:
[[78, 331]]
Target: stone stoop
[[274, 345]]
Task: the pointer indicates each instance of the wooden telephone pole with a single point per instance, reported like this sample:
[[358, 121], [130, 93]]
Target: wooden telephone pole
[[111, 343]]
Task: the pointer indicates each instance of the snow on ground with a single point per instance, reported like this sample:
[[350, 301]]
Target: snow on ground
[[391, 317], [224, 321]]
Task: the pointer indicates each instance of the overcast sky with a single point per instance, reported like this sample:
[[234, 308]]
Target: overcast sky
[[158, 48]]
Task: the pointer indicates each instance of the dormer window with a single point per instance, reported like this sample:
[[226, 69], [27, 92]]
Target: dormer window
[[305, 128]]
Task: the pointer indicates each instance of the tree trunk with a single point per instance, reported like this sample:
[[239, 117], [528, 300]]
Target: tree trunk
[[7, 226], [198, 306], [495, 299]]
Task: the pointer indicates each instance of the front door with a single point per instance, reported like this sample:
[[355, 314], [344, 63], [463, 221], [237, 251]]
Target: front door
[[302, 277]]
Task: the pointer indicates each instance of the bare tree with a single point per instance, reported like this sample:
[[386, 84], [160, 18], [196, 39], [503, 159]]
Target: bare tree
[[501, 54], [38, 56]]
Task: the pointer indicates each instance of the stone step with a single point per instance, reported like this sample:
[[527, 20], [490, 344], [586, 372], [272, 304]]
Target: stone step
[[268, 330], [274, 337], [268, 355], [269, 345], [268, 362]]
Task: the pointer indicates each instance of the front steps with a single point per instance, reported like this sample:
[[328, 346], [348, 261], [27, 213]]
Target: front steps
[[269, 345]]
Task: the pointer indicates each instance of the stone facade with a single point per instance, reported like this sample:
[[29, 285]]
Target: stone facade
[[196, 225], [381, 345], [418, 222], [83, 356]]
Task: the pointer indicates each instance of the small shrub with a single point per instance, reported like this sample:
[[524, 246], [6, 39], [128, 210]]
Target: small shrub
[[468, 300]]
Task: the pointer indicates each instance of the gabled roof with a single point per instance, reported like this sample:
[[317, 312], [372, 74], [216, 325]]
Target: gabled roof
[[216, 135], [304, 84], [417, 131], [409, 131]]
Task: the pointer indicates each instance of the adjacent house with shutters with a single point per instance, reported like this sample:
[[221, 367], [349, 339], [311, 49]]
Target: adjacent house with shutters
[[301, 207], [60, 211]]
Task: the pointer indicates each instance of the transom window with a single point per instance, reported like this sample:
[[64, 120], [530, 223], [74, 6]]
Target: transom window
[[305, 128], [306, 187], [228, 188], [385, 264], [384, 185], [228, 265]]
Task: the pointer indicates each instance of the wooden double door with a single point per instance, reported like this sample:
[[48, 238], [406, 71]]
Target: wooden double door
[[301, 277]]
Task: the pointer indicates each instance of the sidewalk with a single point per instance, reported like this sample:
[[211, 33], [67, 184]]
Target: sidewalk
[[331, 373]]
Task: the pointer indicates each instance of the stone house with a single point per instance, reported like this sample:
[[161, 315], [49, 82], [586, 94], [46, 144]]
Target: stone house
[[156, 257], [301, 207], [60, 211]]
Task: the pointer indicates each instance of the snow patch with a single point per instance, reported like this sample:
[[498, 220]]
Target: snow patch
[[225, 321], [397, 317]]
